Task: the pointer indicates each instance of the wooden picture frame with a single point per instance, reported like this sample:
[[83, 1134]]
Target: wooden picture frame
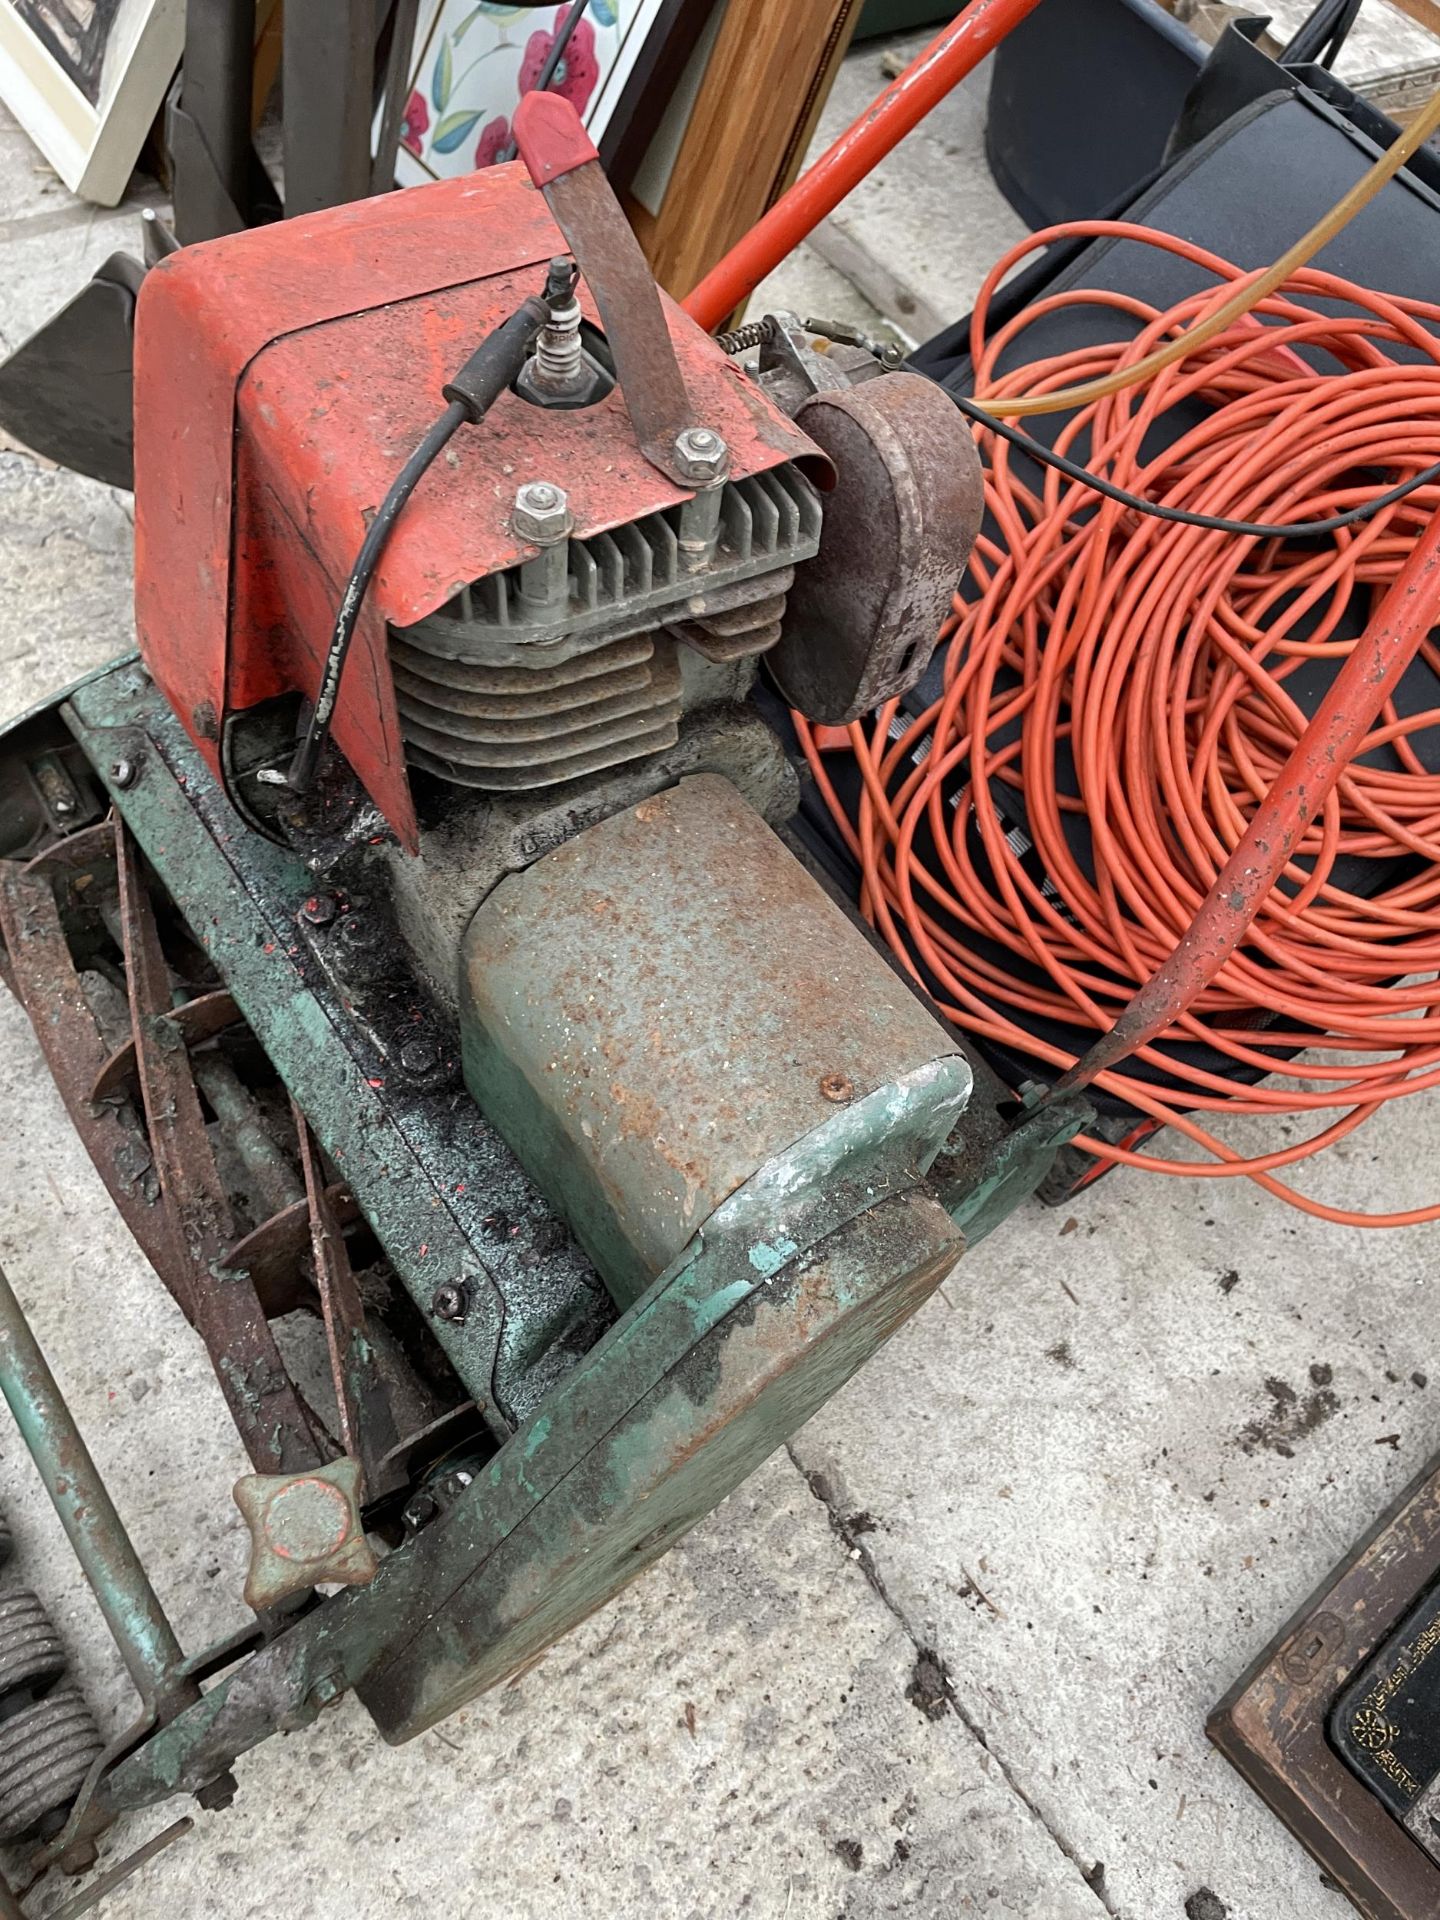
[[85, 79], [735, 131], [658, 70]]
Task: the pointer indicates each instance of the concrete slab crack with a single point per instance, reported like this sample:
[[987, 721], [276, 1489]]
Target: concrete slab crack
[[930, 1689]]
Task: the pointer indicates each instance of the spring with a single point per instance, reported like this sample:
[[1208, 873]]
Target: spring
[[755, 333]]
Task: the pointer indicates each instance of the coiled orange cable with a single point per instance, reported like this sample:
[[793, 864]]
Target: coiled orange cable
[[1159, 656]]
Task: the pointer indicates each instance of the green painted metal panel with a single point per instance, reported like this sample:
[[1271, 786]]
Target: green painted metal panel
[[574, 1505], [427, 1172], [662, 1005], [734, 1396]]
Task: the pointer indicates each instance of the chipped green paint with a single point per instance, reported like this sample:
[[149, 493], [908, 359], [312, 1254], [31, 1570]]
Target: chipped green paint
[[780, 1285], [983, 1189], [421, 1184], [652, 1428], [768, 1258]]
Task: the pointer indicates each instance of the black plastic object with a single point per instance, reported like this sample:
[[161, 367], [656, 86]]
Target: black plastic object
[[1307, 148], [66, 393], [1083, 94], [900, 16], [496, 362], [1245, 122]]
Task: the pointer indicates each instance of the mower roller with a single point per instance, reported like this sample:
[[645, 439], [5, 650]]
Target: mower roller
[[442, 976]]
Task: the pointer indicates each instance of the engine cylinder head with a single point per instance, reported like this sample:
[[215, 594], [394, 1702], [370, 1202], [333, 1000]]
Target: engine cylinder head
[[566, 664]]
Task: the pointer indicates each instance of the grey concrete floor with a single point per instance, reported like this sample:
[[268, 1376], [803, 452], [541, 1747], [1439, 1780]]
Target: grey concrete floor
[[1086, 1483]]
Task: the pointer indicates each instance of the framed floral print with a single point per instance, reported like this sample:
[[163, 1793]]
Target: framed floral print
[[473, 59]]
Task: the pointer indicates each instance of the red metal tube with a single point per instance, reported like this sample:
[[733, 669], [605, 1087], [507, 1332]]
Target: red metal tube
[[1368, 677], [954, 52]]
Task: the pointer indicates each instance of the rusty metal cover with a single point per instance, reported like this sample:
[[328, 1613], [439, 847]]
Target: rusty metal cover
[[283, 375], [864, 616], [662, 1005]]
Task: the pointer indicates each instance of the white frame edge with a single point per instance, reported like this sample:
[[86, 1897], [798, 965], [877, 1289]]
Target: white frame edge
[[93, 149]]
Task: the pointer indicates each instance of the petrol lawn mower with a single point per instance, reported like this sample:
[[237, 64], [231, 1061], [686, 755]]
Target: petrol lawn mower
[[433, 970], [419, 935]]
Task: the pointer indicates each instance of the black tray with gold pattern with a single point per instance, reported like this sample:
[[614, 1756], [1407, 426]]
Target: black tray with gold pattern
[[1386, 1724]]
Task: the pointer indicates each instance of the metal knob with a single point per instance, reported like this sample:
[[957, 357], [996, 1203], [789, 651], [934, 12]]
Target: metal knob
[[304, 1529]]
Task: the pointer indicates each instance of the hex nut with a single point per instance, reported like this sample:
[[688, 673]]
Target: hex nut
[[320, 909], [702, 455], [541, 513], [218, 1794], [589, 384]]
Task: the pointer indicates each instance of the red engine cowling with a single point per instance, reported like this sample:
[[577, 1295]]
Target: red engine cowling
[[283, 375]]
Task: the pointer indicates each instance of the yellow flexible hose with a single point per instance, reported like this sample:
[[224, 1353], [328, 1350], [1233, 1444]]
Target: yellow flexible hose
[[1247, 296]]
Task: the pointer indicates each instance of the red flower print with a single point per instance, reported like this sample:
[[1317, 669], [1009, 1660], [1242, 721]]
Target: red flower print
[[415, 124], [492, 143], [578, 73]]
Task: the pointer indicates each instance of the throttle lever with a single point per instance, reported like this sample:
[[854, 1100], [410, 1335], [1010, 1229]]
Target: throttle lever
[[564, 165]]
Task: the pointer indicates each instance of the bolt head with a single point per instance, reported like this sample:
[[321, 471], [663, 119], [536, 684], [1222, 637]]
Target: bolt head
[[124, 773], [419, 1056], [450, 1303], [702, 455], [319, 910], [542, 512], [217, 1794], [421, 1511]]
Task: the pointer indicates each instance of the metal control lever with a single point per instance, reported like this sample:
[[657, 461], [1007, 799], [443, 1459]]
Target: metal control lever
[[566, 168]]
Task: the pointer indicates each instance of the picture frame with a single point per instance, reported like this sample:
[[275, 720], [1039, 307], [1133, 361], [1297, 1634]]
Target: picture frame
[[85, 79], [472, 60], [734, 131]]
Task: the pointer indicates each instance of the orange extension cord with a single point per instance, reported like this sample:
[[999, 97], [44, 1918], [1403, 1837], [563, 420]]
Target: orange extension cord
[[1160, 653]]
